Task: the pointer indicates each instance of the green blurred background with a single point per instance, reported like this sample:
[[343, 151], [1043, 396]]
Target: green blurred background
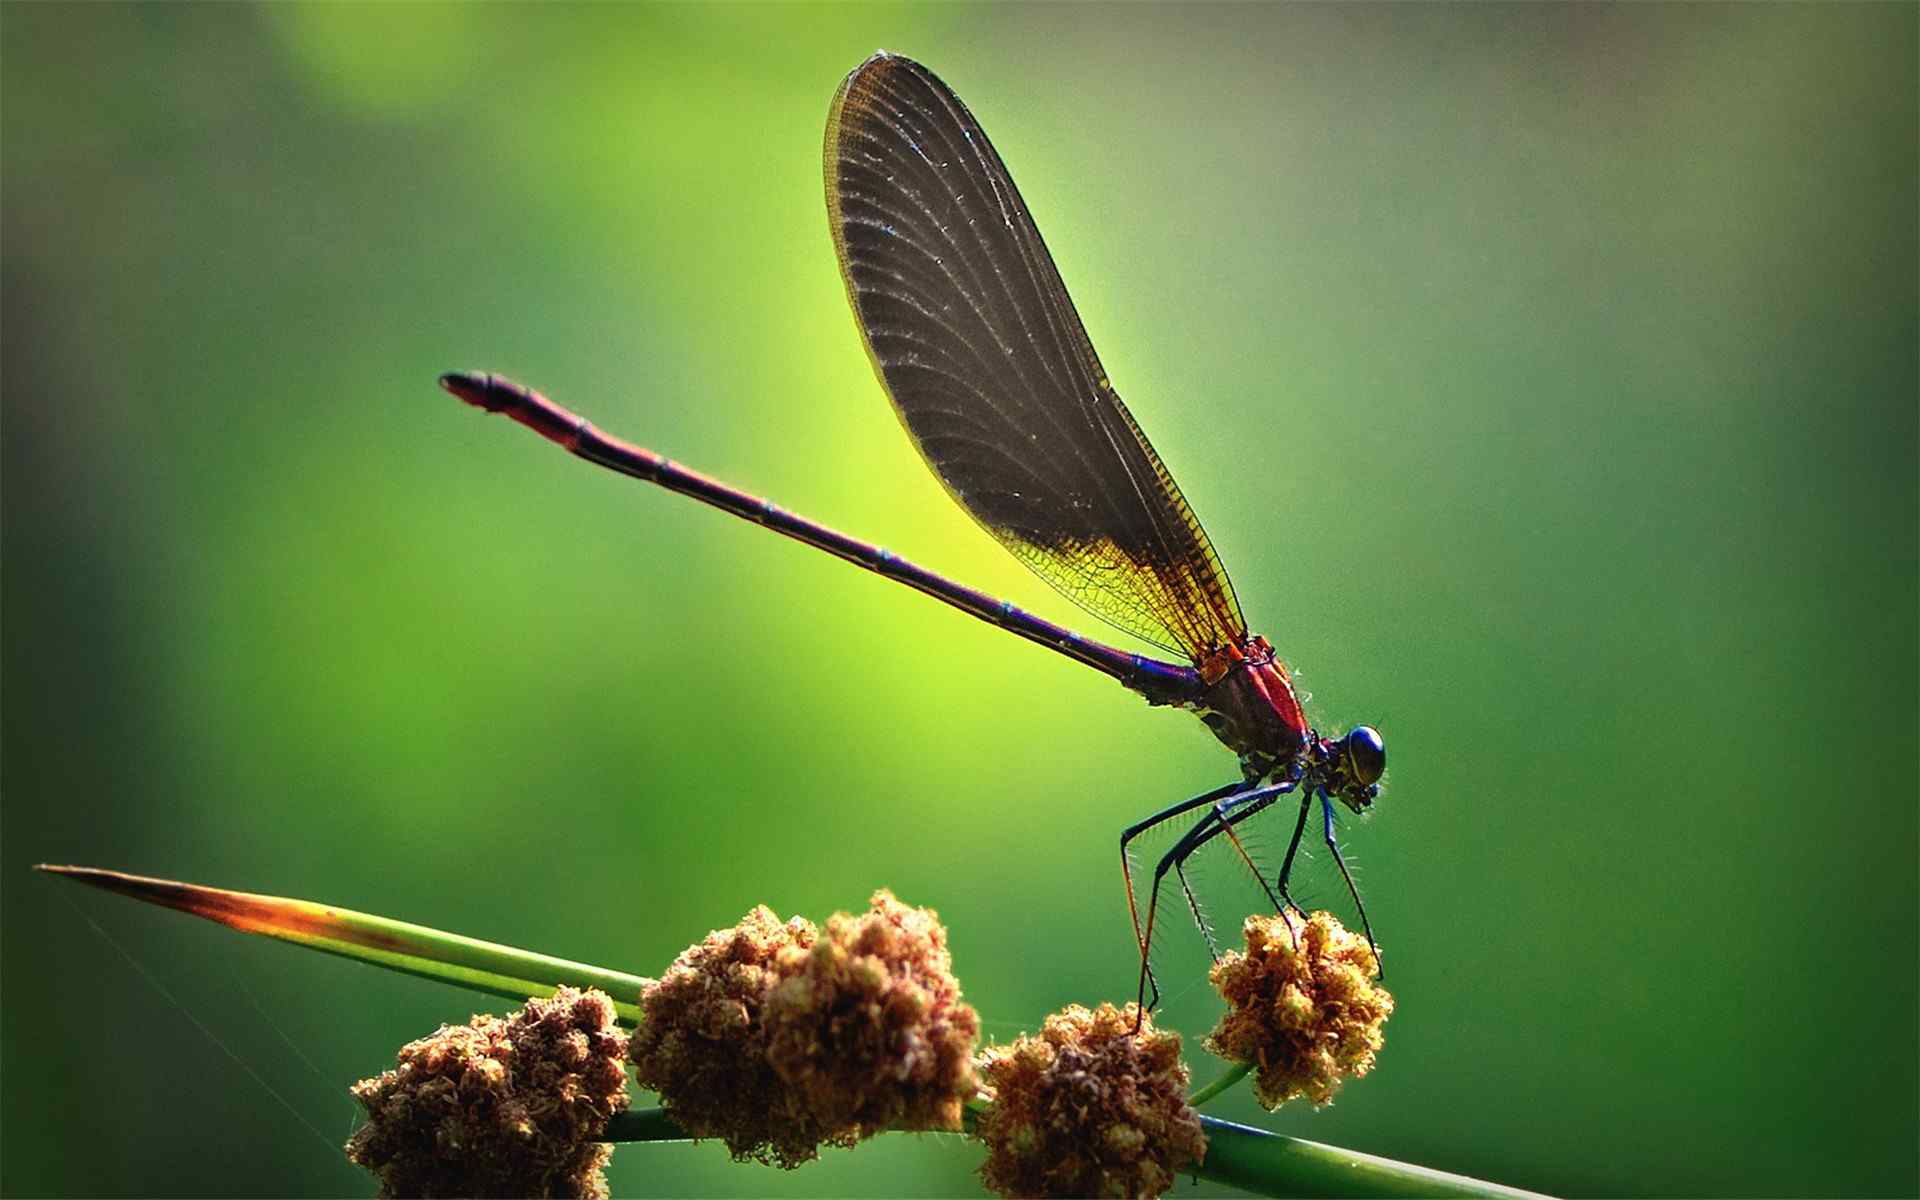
[[1546, 375]]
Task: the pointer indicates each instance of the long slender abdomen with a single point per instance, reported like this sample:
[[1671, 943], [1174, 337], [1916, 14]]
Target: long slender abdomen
[[1160, 682]]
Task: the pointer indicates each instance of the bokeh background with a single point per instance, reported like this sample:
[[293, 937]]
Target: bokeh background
[[1546, 376]]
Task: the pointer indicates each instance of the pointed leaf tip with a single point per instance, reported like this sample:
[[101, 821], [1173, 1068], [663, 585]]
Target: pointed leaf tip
[[395, 945]]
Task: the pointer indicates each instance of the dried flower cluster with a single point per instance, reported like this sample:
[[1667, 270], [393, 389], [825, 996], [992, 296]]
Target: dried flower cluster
[[868, 1027], [701, 1043], [778, 1039], [1302, 1007], [1088, 1108], [499, 1107]]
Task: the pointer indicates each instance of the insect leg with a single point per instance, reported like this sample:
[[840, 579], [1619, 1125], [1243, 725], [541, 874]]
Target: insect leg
[[1143, 936], [1153, 907], [1193, 901], [1293, 847], [1326, 804], [1237, 809], [1226, 813]]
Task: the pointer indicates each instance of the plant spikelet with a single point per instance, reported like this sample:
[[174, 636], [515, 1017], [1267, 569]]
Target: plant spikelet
[[702, 1041], [1302, 1007], [867, 1027], [499, 1107], [780, 1039], [1088, 1108]]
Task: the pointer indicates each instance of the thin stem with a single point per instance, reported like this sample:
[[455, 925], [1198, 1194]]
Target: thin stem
[[1270, 1164], [382, 941], [1231, 1076], [1266, 1164]]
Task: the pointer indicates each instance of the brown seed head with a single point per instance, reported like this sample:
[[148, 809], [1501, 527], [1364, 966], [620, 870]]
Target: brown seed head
[[1088, 1108], [779, 1039], [499, 1107], [702, 1042], [1302, 1007], [867, 1026]]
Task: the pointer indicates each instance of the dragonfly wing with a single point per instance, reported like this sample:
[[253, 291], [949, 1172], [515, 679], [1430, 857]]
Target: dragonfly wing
[[978, 344]]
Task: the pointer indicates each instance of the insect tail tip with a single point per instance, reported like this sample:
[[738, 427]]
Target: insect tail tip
[[471, 386]]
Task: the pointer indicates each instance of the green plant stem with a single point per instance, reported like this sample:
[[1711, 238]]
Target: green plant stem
[[1271, 1164], [1266, 1164], [1231, 1076], [382, 941]]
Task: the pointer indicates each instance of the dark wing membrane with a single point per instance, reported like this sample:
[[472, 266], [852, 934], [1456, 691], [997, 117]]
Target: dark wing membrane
[[978, 344]]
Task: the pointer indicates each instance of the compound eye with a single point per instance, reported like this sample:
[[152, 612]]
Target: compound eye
[[1366, 754]]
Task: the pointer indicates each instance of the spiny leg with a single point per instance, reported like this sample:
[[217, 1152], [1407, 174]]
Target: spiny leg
[[1126, 871], [1225, 814], [1253, 868], [1153, 908], [1225, 827], [1293, 847], [1229, 812], [1379, 970], [1193, 904]]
